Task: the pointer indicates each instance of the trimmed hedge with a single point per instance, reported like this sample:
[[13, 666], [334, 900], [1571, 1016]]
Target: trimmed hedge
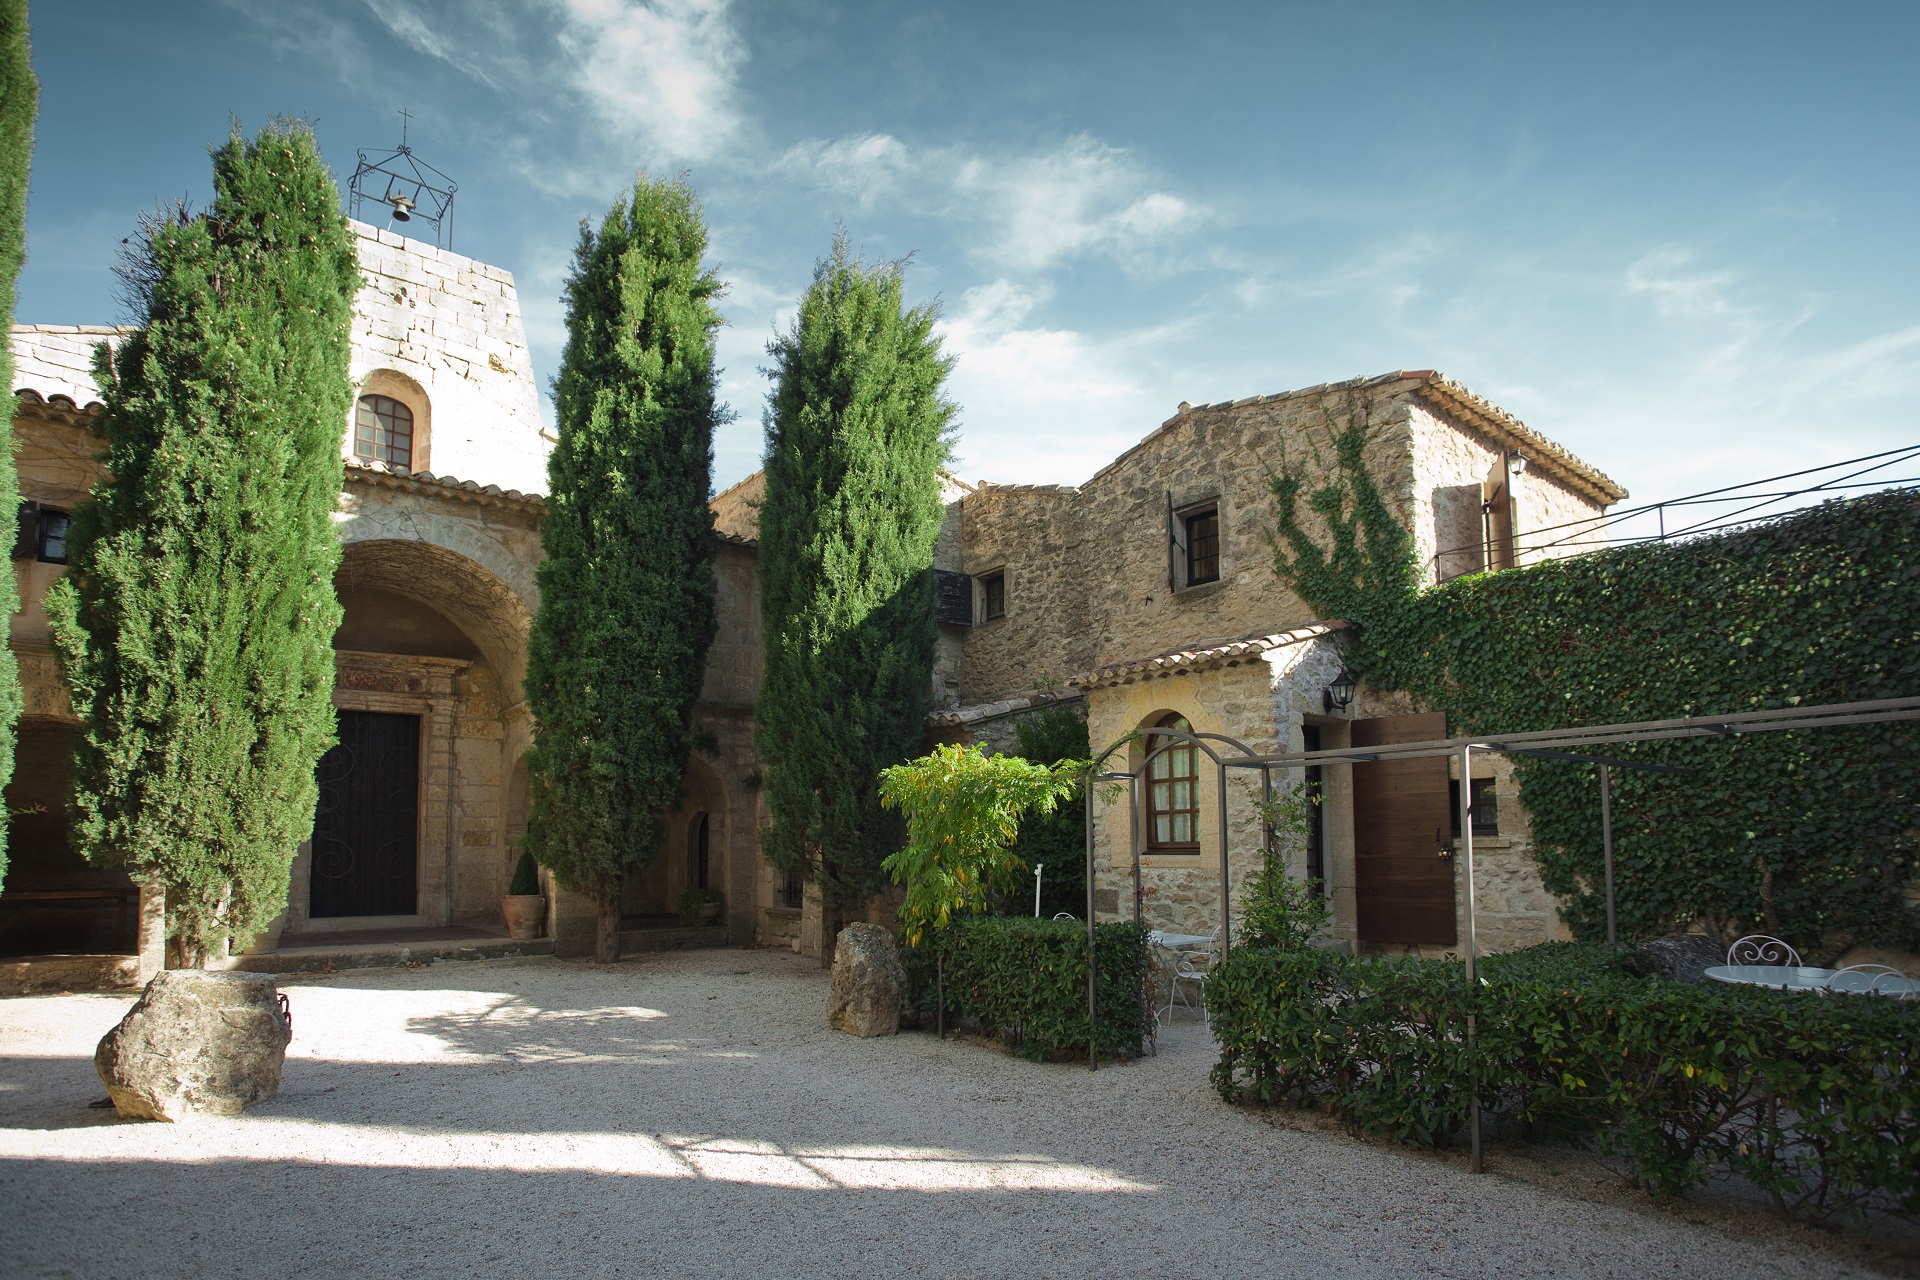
[[1024, 981], [1815, 1100]]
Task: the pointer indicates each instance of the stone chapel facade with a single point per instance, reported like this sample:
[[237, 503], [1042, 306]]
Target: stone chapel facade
[[1146, 594]]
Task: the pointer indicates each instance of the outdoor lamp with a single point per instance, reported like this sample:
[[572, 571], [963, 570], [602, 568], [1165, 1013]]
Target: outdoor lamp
[[400, 206], [1516, 464], [1339, 694]]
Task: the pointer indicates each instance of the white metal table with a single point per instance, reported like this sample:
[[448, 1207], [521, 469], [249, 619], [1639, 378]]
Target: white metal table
[[1177, 941], [1779, 976]]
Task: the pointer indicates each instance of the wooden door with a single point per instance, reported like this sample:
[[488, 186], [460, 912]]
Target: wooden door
[[1403, 888], [366, 829]]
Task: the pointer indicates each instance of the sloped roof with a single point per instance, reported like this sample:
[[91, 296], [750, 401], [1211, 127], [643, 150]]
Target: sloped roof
[[1437, 391], [1230, 653]]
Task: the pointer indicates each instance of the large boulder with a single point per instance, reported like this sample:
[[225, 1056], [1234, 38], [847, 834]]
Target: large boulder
[[1685, 957], [869, 984], [196, 1042]]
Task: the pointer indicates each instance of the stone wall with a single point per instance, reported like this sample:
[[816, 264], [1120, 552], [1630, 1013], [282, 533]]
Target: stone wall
[[1091, 578], [443, 334]]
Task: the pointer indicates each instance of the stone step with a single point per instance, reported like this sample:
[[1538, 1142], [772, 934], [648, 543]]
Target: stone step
[[673, 938], [385, 954]]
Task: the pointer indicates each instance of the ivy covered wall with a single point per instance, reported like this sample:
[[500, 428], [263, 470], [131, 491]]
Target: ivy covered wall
[[1813, 835]]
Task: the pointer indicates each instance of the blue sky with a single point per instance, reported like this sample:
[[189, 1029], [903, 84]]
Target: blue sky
[[1678, 238]]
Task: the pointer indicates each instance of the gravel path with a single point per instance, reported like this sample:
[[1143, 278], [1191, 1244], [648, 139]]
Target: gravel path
[[688, 1115]]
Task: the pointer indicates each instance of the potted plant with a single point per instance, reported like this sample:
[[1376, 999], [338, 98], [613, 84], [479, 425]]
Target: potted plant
[[525, 907], [700, 906]]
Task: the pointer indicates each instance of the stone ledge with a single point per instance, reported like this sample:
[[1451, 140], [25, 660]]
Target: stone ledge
[[29, 975], [387, 955]]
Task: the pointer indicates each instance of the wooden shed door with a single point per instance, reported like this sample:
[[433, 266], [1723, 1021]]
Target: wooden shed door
[[366, 830], [1403, 888]]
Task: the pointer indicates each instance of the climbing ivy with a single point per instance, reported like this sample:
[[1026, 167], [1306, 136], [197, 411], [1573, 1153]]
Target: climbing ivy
[[1808, 835]]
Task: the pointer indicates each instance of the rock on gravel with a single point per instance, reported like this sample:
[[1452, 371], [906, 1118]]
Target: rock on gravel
[[196, 1042], [869, 983]]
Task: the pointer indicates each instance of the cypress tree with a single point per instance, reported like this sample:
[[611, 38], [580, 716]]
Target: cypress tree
[[857, 432], [196, 626], [19, 98], [619, 646]]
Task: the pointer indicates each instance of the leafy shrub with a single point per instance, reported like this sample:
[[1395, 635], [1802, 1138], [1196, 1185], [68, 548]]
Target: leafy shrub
[[1812, 1099], [526, 878], [963, 812], [1280, 911], [1024, 981]]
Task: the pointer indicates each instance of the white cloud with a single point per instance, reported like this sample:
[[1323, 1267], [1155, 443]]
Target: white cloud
[[655, 80], [1026, 211], [664, 71], [1039, 404]]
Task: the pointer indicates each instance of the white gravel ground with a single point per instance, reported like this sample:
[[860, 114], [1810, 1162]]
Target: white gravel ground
[[690, 1115]]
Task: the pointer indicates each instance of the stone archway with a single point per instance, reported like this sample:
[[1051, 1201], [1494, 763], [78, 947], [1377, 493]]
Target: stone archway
[[434, 643]]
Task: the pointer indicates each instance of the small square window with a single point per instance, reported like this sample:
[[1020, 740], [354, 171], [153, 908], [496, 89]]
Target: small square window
[[993, 595], [1486, 807], [1203, 546]]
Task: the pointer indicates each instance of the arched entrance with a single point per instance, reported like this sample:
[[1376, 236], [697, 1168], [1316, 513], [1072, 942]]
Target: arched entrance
[[693, 839], [416, 804]]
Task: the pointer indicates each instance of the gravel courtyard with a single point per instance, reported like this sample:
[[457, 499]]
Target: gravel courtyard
[[689, 1115]]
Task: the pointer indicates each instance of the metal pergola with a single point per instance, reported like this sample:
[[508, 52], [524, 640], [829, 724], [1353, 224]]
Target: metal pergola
[[1571, 744]]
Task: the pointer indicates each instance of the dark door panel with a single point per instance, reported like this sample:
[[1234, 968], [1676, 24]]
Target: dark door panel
[[366, 830], [1403, 889]]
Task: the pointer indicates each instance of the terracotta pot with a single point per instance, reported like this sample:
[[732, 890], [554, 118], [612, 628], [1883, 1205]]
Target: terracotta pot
[[709, 912], [525, 913]]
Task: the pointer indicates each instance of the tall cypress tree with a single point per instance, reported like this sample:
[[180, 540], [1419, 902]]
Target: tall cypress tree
[[196, 626], [857, 432], [619, 647], [19, 98]]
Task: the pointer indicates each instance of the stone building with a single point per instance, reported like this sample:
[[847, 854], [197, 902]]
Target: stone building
[[1146, 596], [423, 804]]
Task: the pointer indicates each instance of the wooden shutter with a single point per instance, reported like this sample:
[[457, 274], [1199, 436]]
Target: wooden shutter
[[952, 598], [1403, 888], [1498, 505]]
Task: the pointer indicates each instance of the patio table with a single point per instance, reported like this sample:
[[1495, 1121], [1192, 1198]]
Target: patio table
[[1177, 941], [1779, 976]]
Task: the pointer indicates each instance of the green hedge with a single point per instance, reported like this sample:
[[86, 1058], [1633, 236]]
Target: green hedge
[[1814, 1099], [1024, 981]]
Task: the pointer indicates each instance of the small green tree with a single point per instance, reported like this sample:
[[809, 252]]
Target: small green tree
[[619, 647], [963, 812], [857, 432], [19, 98], [196, 626], [1276, 909]]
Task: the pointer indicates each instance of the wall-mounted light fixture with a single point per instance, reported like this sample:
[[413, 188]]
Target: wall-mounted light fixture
[[1517, 464], [1339, 695]]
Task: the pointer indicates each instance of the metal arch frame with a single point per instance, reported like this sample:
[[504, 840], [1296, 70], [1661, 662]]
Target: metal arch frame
[[1095, 773], [1558, 744]]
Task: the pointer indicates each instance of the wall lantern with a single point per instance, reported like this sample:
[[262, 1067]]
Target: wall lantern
[[1339, 694], [1517, 464]]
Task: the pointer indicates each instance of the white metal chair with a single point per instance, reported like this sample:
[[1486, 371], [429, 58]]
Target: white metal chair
[[1758, 948], [1874, 980], [1191, 965], [1065, 915]]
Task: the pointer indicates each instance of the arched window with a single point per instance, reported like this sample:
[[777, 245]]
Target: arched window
[[383, 432], [698, 851], [1173, 791]]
